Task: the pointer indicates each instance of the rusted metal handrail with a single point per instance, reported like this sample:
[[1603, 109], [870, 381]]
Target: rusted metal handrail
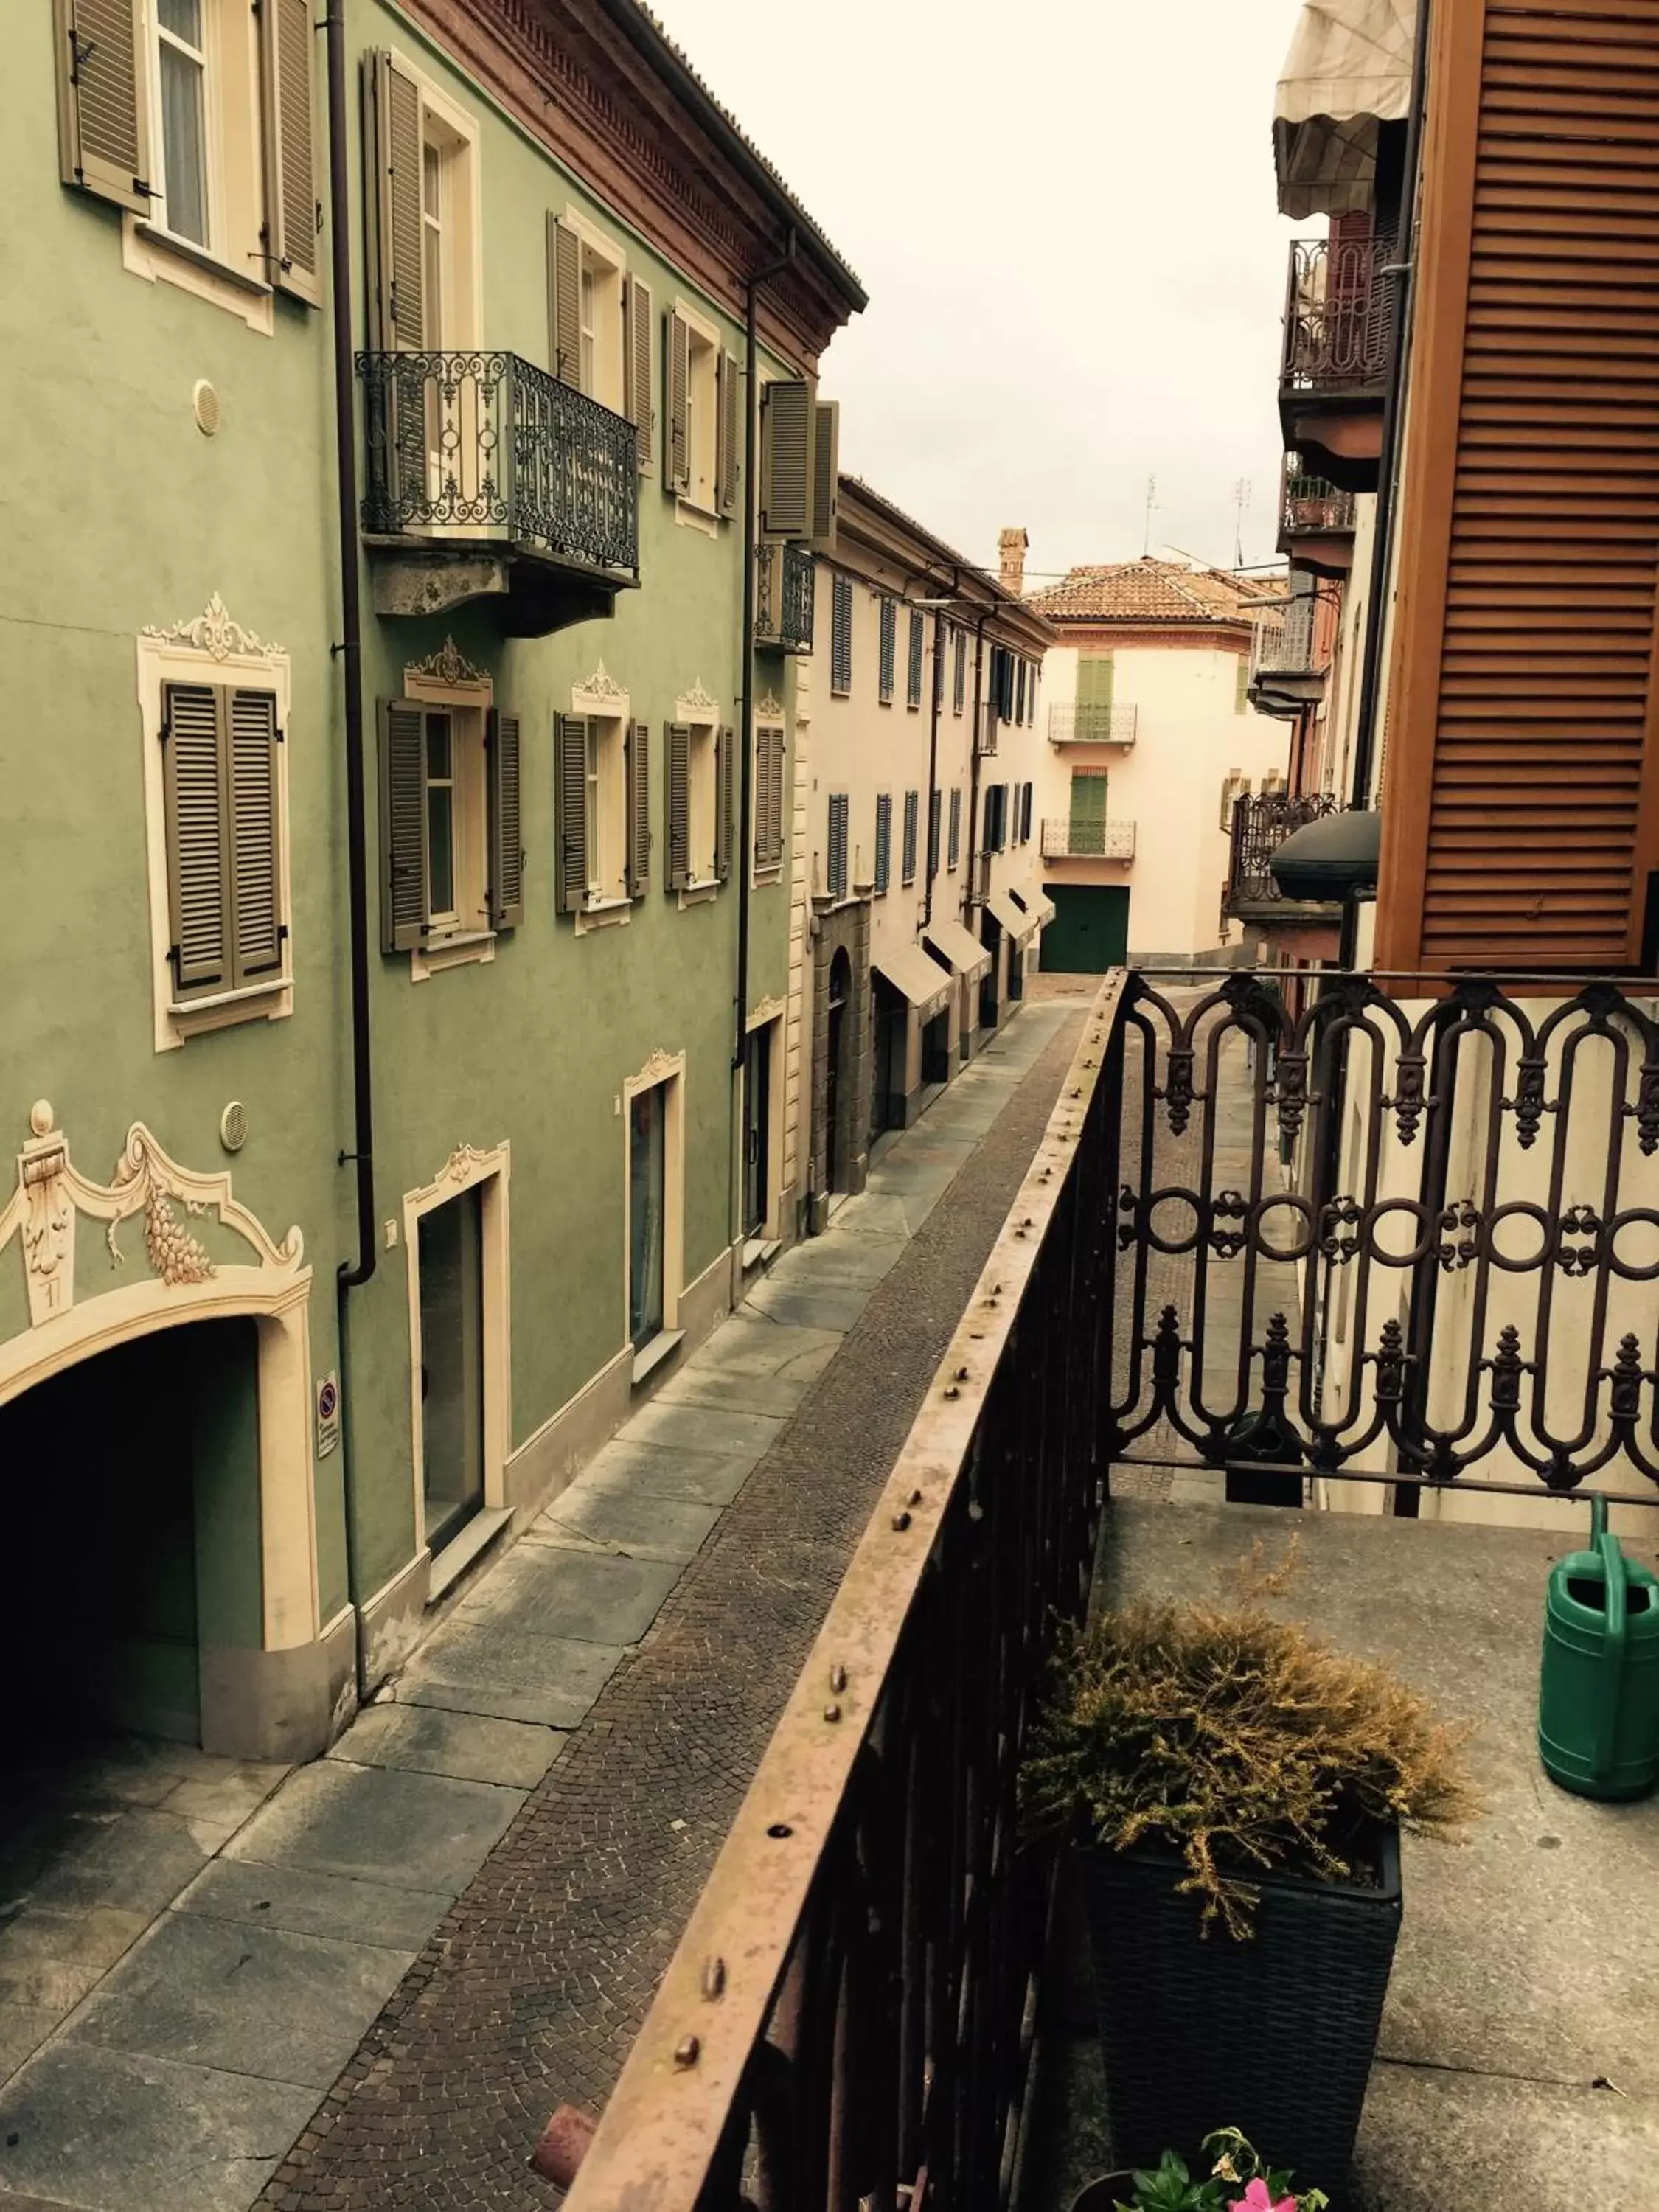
[[847, 2019]]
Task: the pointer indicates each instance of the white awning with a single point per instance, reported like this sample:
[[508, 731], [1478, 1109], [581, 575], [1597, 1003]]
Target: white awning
[[960, 947], [1348, 70], [1038, 905], [923, 982], [1014, 919]]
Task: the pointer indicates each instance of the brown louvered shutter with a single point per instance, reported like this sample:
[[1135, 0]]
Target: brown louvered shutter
[[1520, 823], [785, 459], [290, 174], [396, 195], [564, 302], [571, 740], [778, 749], [677, 368], [404, 900], [199, 848], [826, 479], [103, 138], [726, 461], [678, 804], [257, 931], [639, 808], [504, 748], [637, 378], [725, 802]]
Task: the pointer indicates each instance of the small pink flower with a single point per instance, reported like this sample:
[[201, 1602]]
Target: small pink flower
[[1256, 2199]]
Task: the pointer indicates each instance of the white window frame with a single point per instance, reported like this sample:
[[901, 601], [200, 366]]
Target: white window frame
[[167, 658], [609, 712], [603, 260], [456, 133], [667, 1070], [771, 1013], [702, 795], [468, 935], [699, 505]]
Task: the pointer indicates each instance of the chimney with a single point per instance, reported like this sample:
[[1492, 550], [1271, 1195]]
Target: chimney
[[1011, 561]]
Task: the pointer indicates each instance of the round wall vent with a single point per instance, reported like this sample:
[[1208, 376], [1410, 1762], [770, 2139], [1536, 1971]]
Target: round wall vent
[[205, 401], [232, 1127]]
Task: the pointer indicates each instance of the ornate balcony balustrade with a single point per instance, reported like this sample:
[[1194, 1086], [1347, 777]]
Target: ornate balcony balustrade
[[785, 587], [1073, 722], [1260, 827], [1065, 839], [1339, 315], [1311, 507]]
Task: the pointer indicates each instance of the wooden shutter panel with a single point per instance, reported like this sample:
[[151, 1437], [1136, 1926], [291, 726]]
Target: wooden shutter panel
[[826, 475], [954, 849], [837, 855], [725, 803], [570, 745], [725, 421], [884, 840], [786, 443], [637, 367], [678, 806], [889, 650], [290, 163], [677, 368], [910, 813], [935, 808], [103, 136], [257, 930], [199, 848], [395, 194], [405, 901], [778, 749], [841, 635], [639, 808], [504, 753], [564, 302], [918, 646]]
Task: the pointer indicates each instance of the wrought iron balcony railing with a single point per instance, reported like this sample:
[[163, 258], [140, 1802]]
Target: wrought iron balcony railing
[[785, 585], [1282, 642], [1338, 314], [486, 448], [1261, 825], [1071, 722], [1065, 840], [1311, 507]]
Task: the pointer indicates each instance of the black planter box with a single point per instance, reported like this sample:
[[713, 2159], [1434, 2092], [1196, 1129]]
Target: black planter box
[[1274, 2035]]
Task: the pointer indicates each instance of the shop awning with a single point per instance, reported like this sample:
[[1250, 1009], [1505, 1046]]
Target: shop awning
[[917, 978], [1348, 70], [960, 947], [1014, 919], [1040, 907]]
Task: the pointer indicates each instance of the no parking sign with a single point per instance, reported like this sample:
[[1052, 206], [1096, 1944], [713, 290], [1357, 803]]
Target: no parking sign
[[328, 1415]]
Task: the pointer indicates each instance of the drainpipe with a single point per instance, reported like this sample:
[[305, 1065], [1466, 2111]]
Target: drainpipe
[[1388, 469], [973, 764], [349, 654], [932, 844]]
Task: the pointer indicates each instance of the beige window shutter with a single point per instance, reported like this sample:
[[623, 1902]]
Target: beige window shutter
[[395, 194], [639, 808], [574, 828], [291, 208], [199, 848], [103, 136], [504, 752], [252, 779], [725, 471], [405, 903], [636, 379], [726, 800], [564, 302], [679, 806], [677, 452], [786, 459]]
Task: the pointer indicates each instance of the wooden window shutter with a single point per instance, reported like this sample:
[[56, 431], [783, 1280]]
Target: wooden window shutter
[[888, 651], [677, 370], [911, 810], [841, 635], [395, 195], [564, 302], [678, 802], [1019, 693], [826, 475], [1025, 817], [725, 762], [914, 667], [570, 744], [405, 903], [639, 808], [884, 840], [786, 459], [291, 210], [503, 755], [935, 806], [199, 848], [103, 115], [836, 883], [636, 367], [953, 850], [1094, 680], [769, 798], [257, 930], [959, 677], [727, 426]]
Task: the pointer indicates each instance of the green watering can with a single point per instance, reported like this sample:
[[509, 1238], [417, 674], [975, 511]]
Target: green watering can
[[1598, 1700]]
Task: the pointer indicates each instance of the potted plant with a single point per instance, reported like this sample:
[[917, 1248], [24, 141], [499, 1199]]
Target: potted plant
[[1238, 1788], [1237, 2181]]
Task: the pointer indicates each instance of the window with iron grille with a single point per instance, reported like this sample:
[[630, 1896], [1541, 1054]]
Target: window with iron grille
[[884, 840], [835, 873], [888, 651], [913, 673], [953, 849], [911, 808], [841, 636], [959, 676]]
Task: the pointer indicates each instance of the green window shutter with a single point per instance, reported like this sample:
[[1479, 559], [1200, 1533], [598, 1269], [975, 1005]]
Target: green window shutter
[[786, 424], [725, 423], [911, 810], [1242, 685], [405, 903], [676, 372], [290, 162], [639, 808], [884, 840], [953, 849], [257, 930], [396, 196], [918, 651], [679, 806], [636, 366], [889, 651], [840, 635], [103, 137], [570, 744], [564, 302], [1094, 681], [725, 752], [198, 846], [935, 804], [826, 474], [502, 739], [1088, 811]]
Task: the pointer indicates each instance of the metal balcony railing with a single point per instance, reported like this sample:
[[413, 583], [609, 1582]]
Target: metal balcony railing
[[1065, 840], [1308, 506], [1072, 723], [785, 585], [1282, 642], [1338, 314], [1260, 827], [486, 447]]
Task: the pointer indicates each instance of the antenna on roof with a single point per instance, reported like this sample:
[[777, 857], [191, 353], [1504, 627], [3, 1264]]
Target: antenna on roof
[[1147, 539], [1240, 503]]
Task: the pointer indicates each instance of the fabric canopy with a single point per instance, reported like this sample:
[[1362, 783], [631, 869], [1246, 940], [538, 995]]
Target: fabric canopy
[[960, 947], [1039, 906], [1348, 70], [915, 978], [1014, 919]]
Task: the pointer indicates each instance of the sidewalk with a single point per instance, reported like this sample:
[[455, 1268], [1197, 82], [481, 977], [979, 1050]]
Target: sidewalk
[[458, 1917]]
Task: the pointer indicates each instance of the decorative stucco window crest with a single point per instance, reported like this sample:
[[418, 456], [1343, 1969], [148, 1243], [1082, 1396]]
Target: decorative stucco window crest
[[213, 632], [769, 709], [449, 666], [602, 685], [697, 705], [51, 1193]]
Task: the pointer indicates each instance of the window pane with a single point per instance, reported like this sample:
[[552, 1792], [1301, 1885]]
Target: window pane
[[645, 1210], [437, 746], [183, 18], [186, 185], [440, 845]]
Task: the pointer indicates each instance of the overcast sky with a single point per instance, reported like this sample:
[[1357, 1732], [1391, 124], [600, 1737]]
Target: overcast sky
[[1063, 213]]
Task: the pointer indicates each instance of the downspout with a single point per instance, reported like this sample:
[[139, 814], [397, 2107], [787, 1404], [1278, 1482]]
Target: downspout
[[1388, 469], [933, 842], [349, 654], [973, 762]]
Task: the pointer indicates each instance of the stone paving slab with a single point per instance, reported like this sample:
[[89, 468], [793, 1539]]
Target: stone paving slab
[[838, 1306], [697, 1429], [666, 1529], [468, 1747], [657, 1472], [500, 1668], [413, 1831], [307, 1902], [584, 1596], [775, 1395]]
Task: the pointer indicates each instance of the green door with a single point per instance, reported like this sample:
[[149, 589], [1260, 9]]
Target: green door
[[1090, 931], [1088, 817]]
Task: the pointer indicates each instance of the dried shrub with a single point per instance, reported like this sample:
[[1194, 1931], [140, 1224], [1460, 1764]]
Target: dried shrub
[[1239, 1740]]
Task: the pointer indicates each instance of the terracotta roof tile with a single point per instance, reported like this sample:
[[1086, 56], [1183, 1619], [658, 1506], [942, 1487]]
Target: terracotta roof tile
[[1149, 590]]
